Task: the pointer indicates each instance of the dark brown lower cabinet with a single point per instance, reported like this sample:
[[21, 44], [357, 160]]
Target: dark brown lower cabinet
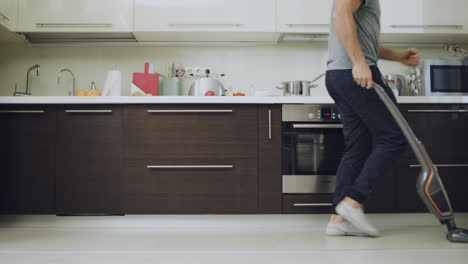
[[453, 177], [89, 160], [269, 159], [183, 159], [442, 128], [27, 154]]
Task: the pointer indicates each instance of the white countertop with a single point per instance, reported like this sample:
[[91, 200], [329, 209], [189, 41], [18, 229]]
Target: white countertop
[[214, 100]]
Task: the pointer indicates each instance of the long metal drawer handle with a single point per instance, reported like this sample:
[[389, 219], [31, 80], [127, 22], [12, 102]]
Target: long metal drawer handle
[[89, 111], [269, 124], [190, 111], [428, 26], [190, 166], [205, 25], [73, 25], [4, 17], [437, 111], [22, 111], [308, 25], [312, 204], [317, 126], [443, 165]]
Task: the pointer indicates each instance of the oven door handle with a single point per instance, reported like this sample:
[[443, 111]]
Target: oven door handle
[[317, 125]]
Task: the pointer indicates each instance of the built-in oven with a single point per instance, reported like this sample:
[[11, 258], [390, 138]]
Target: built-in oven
[[312, 147], [446, 77]]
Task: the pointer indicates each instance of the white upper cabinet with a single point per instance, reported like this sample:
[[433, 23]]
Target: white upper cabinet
[[75, 16], [9, 14], [445, 16], [304, 16], [205, 15], [424, 16]]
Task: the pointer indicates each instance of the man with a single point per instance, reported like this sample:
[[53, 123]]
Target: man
[[354, 50]]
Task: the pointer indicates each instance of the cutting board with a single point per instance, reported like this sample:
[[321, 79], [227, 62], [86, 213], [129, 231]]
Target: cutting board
[[147, 82]]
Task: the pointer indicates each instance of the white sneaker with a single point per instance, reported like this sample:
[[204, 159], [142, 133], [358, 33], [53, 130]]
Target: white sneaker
[[357, 218], [343, 229]]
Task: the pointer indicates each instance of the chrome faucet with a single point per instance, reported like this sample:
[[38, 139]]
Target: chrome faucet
[[28, 83], [73, 75]]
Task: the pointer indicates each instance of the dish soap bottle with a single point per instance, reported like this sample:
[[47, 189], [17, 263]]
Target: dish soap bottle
[[93, 91]]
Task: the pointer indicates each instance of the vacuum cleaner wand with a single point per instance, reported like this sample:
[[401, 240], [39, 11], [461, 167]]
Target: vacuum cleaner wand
[[429, 184]]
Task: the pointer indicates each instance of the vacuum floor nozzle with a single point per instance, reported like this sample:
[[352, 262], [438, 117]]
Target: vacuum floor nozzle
[[458, 235]]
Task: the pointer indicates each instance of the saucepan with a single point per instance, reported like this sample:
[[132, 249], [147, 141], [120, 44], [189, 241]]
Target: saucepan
[[298, 88]]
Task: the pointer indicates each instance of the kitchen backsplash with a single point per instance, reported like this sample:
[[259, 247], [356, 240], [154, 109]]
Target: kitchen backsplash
[[247, 68]]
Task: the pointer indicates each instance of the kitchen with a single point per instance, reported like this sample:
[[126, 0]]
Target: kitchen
[[104, 155]]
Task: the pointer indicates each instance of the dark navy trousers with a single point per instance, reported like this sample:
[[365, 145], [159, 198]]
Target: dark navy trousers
[[364, 117]]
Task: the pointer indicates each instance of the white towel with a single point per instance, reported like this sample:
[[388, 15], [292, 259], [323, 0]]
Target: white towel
[[113, 84]]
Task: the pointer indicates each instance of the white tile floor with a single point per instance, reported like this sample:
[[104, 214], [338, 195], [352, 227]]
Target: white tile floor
[[408, 238]]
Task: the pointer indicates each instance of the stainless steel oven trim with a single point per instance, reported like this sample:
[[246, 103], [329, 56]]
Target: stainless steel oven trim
[[302, 113], [427, 75], [306, 184]]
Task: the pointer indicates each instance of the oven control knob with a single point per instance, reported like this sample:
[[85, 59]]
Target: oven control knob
[[311, 116], [339, 116]]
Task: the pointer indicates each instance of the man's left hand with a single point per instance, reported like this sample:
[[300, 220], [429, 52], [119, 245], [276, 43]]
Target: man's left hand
[[410, 57]]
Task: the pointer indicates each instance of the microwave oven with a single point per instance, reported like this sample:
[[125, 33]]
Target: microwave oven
[[445, 77]]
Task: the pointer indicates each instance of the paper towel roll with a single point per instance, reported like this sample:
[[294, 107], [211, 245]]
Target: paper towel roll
[[113, 84]]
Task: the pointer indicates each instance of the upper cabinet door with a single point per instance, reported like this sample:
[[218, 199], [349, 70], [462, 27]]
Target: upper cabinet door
[[304, 16], [424, 16], [205, 15], [9, 14], [75, 16], [401, 16], [445, 16]]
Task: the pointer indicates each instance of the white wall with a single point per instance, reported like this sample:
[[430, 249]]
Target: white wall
[[247, 68]]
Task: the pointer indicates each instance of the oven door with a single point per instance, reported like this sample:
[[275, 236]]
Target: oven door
[[311, 153]]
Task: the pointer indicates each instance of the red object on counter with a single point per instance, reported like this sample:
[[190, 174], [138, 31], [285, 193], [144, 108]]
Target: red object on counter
[[147, 82], [210, 93]]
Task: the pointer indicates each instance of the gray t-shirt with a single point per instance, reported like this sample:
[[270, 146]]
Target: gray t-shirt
[[367, 19]]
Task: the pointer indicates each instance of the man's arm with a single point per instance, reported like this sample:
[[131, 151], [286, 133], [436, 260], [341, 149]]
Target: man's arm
[[409, 57], [345, 29]]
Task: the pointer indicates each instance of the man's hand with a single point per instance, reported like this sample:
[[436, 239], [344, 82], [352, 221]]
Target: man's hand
[[363, 75], [410, 57]]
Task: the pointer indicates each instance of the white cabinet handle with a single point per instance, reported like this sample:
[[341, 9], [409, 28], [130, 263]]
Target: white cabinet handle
[[443, 166], [312, 204], [429, 26], [308, 25], [89, 111], [190, 111], [206, 25], [22, 111], [190, 166], [4, 17], [437, 111], [86, 25], [317, 126]]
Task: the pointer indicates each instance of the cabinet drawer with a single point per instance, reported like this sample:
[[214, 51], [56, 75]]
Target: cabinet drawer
[[442, 129], [307, 204], [191, 131], [220, 185]]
